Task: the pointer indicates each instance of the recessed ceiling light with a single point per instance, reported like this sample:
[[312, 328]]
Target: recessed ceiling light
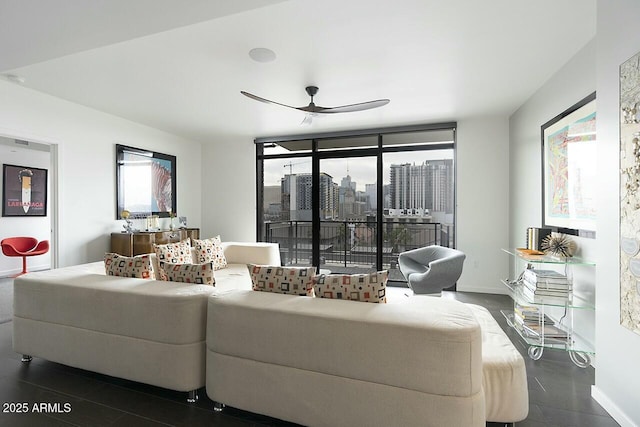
[[262, 54], [15, 79]]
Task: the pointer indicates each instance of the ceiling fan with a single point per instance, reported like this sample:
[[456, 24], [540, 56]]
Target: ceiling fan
[[312, 109]]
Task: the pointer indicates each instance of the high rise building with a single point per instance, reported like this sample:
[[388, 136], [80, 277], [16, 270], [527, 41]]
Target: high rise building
[[297, 197], [347, 183], [372, 194], [420, 187]]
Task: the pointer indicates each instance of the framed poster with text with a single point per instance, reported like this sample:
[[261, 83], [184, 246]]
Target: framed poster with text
[[24, 191]]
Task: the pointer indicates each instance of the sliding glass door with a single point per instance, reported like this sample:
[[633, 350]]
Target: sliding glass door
[[348, 226], [352, 202]]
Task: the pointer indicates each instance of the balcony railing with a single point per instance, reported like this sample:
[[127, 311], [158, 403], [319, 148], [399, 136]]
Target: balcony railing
[[351, 246]]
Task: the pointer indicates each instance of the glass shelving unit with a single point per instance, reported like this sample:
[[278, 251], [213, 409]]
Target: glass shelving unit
[[580, 350]]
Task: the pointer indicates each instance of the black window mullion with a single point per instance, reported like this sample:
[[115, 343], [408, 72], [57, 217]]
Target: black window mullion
[[379, 207], [259, 193], [443, 146], [356, 152], [315, 206], [283, 155]]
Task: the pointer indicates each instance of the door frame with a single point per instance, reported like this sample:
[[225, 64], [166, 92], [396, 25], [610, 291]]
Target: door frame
[[317, 157], [54, 188]]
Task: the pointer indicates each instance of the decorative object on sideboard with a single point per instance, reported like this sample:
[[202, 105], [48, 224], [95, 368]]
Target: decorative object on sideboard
[[559, 245], [569, 177], [153, 223], [172, 217], [128, 226], [535, 237], [630, 193], [183, 221]]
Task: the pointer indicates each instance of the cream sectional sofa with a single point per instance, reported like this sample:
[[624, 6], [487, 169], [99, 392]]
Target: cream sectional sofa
[[413, 361], [142, 330], [418, 361]]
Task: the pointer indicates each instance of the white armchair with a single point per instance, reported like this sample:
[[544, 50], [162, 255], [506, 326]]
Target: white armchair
[[431, 269]]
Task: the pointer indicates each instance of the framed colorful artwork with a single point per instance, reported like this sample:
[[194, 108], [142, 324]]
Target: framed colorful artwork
[[569, 170], [146, 182], [630, 193]]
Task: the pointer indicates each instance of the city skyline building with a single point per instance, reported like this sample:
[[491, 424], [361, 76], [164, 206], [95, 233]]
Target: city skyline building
[[422, 188], [414, 190], [297, 197], [371, 191]]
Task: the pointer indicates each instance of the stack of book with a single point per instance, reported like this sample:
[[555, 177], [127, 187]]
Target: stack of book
[[533, 324], [541, 285], [528, 315]]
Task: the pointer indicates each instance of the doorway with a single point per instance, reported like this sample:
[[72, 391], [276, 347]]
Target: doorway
[[29, 153]]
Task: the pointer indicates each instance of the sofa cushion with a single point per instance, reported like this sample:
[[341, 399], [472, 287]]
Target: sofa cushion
[[138, 266], [436, 342], [175, 253], [260, 253], [84, 297], [355, 287], [282, 280], [210, 250], [198, 274]]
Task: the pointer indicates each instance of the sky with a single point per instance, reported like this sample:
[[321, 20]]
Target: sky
[[362, 170]]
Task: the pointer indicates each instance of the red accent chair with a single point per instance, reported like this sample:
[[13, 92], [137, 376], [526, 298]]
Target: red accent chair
[[24, 247]]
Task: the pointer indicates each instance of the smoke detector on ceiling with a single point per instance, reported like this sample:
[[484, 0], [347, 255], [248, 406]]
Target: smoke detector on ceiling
[[262, 54]]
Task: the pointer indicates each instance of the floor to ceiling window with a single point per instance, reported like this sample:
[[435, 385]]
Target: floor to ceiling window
[[350, 202]]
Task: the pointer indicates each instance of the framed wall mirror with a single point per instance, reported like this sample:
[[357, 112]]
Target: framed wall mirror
[[145, 182]]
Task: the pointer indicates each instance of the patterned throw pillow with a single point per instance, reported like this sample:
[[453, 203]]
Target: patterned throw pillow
[[198, 274], [137, 266], [356, 287], [176, 253], [210, 250], [282, 280]]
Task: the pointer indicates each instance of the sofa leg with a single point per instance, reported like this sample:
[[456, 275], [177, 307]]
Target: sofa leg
[[218, 407], [26, 358], [192, 396]]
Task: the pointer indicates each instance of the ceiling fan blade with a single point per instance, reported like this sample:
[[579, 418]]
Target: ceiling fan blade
[[266, 101], [353, 107], [312, 108]]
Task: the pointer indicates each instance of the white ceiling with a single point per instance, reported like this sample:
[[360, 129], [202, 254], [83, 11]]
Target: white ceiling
[[180, 65]]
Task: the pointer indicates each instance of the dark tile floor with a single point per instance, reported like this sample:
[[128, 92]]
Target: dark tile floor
[[559, 392]]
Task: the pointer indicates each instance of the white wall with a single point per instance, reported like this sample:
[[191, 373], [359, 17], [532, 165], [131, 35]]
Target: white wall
[[33, 226], [569, 85], [86, 140], [618, 371], [229, 195], [483, 202]]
